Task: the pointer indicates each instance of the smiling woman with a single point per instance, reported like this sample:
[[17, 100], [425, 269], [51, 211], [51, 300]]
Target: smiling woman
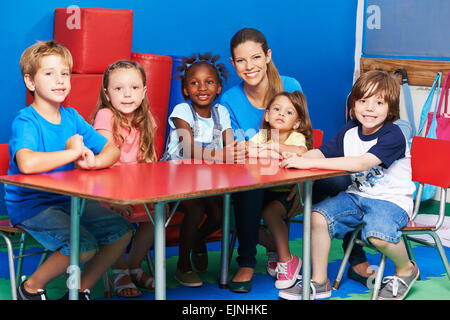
[[246, 102], [252, 58]]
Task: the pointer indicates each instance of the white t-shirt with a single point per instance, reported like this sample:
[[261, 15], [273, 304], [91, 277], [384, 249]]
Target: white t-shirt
[[391, 180], [205, 125]]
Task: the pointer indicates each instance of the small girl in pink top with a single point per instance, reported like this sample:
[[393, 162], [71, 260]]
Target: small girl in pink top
[[123, 116]]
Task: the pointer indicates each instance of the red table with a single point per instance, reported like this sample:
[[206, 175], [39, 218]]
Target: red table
[[167, 181]]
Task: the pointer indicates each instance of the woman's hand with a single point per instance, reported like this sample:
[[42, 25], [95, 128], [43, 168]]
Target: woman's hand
[[263, 150], [269, 153], [254, 149], [286, 155], [236, 151]]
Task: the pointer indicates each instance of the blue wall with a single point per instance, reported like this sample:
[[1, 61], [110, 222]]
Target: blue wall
[[312, 41]]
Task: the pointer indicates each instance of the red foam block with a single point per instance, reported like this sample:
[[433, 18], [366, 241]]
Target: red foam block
[[96, 37], [158, 69]]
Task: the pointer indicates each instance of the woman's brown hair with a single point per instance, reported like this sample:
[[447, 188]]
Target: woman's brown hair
[[251, 34]]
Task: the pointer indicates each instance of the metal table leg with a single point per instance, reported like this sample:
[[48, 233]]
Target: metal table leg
[[306, 273], [160, 251], [223, 282], [74, 268]]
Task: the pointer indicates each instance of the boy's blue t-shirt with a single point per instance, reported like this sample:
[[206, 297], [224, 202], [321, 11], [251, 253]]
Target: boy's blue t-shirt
[[31, 131], [245, 118]]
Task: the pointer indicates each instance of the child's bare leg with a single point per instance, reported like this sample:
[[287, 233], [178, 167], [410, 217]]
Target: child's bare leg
[[104, 258], [273, 215], [397, 253], [143, 241], [265, 238], [53, 267], [320, 247]]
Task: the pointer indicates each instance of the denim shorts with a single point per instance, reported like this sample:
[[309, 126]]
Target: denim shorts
[[98, 226], [344, 212]]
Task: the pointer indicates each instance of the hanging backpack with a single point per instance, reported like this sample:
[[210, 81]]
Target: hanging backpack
[[429, 190]]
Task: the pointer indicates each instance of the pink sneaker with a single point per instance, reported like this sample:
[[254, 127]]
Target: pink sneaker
[[287, 272], [272, 259]]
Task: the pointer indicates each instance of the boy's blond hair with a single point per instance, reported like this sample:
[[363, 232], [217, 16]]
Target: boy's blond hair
[[30, 61]]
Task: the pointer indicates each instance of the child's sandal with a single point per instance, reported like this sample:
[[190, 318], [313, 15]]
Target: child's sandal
[[137, 274], [119, 274]]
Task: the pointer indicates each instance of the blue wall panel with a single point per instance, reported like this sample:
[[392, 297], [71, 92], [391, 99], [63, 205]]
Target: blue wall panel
[[311, 41], [407, 28]]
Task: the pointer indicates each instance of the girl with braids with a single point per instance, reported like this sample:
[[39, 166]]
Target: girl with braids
[[202, 130], [123, 116]]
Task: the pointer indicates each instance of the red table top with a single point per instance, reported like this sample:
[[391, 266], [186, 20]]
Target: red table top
[[165, 180]]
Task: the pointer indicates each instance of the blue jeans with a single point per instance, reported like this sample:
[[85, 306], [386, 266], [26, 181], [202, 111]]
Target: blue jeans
[[98, 226], [344, 212], [330, 187], [248, 206]]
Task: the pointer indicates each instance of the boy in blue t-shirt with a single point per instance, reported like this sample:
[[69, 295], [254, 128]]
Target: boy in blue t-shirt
[[381, 194], [45, 138]]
